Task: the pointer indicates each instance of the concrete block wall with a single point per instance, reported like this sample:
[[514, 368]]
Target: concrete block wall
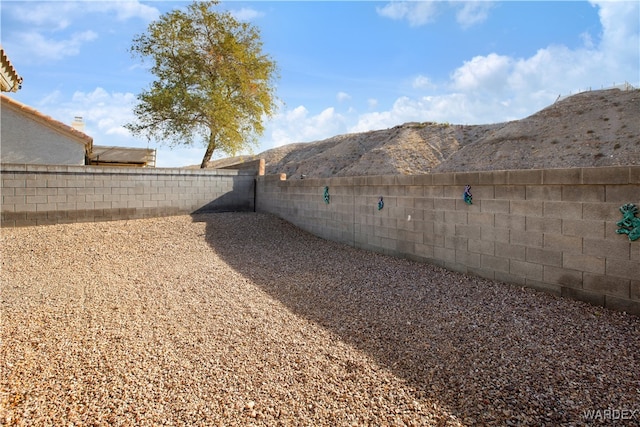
[[553, 230], [38, 195]]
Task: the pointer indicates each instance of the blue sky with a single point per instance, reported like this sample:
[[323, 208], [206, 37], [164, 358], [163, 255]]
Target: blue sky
[[344, 66]]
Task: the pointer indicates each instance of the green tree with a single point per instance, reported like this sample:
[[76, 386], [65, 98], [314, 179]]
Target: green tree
[[213, 81]]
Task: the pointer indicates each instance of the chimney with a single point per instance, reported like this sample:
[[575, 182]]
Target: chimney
[[78, 123]]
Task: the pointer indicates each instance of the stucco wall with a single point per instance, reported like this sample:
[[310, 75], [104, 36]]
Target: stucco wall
[[553, 230], [23, 140], [39, 195]]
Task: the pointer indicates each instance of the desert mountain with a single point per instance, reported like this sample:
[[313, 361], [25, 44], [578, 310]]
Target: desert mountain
[[595, 128]]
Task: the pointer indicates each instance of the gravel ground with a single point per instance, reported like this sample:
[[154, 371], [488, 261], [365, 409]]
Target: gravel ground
[[242, 319]]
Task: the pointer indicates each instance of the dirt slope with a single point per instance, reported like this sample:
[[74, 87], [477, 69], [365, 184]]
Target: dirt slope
[[596, 128]]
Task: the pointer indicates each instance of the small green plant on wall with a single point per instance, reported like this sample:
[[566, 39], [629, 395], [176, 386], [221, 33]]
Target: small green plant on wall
[[629, 224]]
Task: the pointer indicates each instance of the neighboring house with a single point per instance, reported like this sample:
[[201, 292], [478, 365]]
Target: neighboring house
[[28, 136], [122, 156], [10, 81]]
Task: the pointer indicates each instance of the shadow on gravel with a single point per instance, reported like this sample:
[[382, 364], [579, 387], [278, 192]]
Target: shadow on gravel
[[493, 354]]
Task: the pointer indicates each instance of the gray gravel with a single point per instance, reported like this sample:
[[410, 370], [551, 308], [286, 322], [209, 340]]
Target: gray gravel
[[242, 319]]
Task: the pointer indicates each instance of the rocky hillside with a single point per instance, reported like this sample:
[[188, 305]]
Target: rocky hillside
[[596, 128]]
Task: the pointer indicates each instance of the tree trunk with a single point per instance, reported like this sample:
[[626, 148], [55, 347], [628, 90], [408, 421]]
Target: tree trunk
[[207, 154]]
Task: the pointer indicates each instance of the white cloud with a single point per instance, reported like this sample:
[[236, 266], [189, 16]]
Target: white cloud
[[422, 82], [415, 12], [495, 88], [246, 14], [34, 47], [343, 96], [298, 126], [472, 12], [620, 38], [482, 72], [59, 15], [104, 114], [55, 30]]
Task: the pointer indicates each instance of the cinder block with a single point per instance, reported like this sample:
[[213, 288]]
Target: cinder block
[[468, 259], [404, 202], [506, 250], [583, 228], [605, 175], [531, 176], [526, 207], [562, 176], [11, 200], [468, 231], [481, 246], [13, 183], [623, 194], [426, 179], [544, 192], [618, 249], [444, 254], [433, 239], [543, 256], [511, 192], [19, 207], [586, 263], [635, 290], [422, 203], [562, 276], [19, 191], [525, 269], [444, 204], [64, 207], [493, 178], [466, 178], [526, 238], [512, 222], [423, 250], [434, 191], [37, 199], [102, 205], [43, 191], [494, 263], [571, 244], [601, 211], [583, 193], [629, 269], [607, 285], [544, 225], [495, 206], [444, 178], [510, 278], [44, 207], [456, 242], [481, 218], [494, 234], [454, 217], [570, 210]]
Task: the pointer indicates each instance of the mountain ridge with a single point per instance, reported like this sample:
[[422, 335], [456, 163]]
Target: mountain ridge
[[595, 128]]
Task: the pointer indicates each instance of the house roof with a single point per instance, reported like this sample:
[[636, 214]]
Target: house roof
[[105, 155], [51, 123], [10, 80]]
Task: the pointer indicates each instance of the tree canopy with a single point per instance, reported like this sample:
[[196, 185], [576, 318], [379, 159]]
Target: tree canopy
[[213, 82]]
